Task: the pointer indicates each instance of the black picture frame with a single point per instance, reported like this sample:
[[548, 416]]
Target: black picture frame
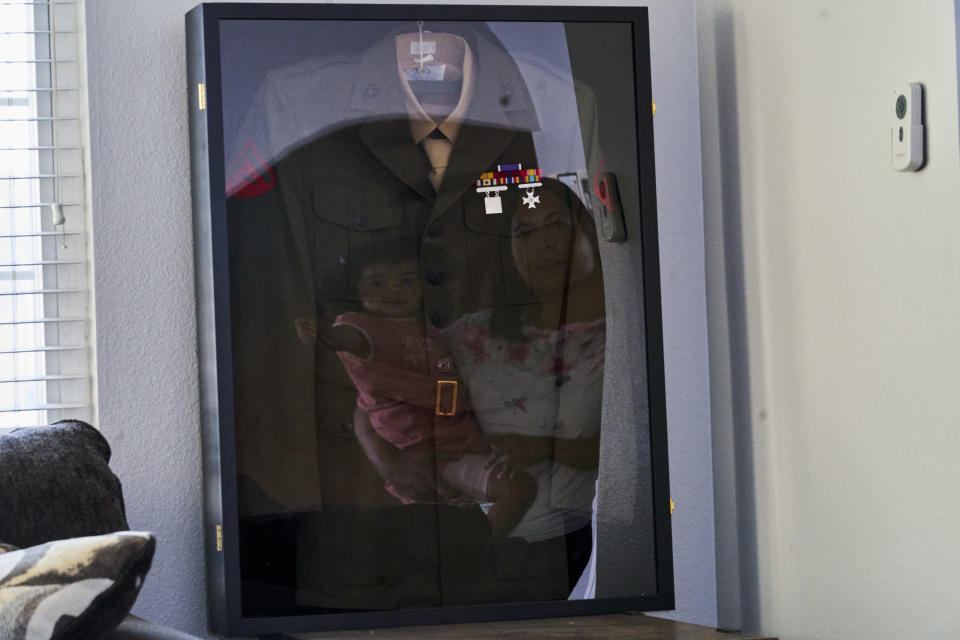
[[222, 535]]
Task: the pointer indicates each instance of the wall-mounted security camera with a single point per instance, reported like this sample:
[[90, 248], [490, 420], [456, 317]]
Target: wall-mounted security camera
[[906, 133], [613, 228]]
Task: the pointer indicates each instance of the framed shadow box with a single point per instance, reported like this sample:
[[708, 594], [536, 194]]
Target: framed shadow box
[[428, 313]]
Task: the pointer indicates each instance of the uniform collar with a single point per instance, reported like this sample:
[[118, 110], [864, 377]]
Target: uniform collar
[[421, 124], [500, 97], [499, 110]]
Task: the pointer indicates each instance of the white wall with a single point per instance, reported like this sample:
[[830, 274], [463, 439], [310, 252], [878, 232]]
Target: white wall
[[834, 316], [145, 307]]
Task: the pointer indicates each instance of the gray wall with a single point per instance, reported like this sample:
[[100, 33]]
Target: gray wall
[[147, 370], [832, 282], [680, 214]]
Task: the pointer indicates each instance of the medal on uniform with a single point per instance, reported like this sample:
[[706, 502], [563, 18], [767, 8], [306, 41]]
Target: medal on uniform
[[531, 200], [492, 182], [492, 203]]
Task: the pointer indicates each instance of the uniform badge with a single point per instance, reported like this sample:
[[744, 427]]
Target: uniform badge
[[249, 176], [492, 183]]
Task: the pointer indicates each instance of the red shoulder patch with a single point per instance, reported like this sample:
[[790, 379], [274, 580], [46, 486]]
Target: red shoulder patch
[[249, 176]]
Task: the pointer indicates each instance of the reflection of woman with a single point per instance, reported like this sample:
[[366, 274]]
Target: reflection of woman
[[535, 373], [534, 376]]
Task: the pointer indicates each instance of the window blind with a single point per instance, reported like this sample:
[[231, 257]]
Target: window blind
[[44, 292]]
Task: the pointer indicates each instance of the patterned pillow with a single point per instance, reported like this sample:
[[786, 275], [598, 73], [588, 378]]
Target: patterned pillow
[[71, 589]]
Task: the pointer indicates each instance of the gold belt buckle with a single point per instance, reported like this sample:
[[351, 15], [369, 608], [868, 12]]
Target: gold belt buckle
[[446, 387]]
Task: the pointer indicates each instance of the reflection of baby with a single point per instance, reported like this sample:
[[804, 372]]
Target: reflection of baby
[[388, 352]]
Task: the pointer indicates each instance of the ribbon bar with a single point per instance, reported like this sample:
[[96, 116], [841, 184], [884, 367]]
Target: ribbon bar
[[520, 180], [510, 174], [509, 177]]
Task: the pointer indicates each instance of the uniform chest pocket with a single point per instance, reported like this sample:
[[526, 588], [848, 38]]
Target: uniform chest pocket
[[352, 218], [478, 220], [358, 206], [494, 279]]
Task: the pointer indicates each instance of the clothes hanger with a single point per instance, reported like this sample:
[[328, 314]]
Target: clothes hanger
[[429, 51]]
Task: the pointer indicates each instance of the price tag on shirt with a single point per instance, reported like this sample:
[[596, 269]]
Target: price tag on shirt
[[426, 47]]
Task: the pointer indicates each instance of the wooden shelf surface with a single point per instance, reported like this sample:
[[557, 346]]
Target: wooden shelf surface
[[619, 626]]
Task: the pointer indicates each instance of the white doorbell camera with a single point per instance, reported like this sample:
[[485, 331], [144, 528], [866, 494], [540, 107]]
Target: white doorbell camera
[[906, 133]]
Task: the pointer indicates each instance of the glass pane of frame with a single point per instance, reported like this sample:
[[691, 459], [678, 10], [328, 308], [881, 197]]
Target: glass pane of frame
[[445, 381]]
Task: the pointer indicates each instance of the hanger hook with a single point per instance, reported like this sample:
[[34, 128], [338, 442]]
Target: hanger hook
[[420, 29]]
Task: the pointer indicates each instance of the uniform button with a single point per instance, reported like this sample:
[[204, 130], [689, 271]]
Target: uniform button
[[439, 319], [435, 229], [444, 364], [435, 276]]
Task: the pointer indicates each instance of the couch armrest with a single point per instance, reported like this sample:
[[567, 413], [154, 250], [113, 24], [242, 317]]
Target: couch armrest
[[55, 483]]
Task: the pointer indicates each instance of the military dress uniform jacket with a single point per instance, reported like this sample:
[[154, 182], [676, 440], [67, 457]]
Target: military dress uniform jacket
[[293, 255]]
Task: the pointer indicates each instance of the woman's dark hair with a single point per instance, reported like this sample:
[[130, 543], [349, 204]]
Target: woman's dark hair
[[507, 322]]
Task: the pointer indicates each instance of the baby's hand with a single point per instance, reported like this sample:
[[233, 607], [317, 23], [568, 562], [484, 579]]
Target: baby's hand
[[306, 330], [501, 465]]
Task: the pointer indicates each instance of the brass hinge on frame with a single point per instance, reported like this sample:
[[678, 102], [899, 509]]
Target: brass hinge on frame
[[672, 506], [202, 96], [219, 537]]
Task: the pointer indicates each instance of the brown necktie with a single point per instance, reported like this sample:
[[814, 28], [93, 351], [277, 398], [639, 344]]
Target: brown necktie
[[438, 149]]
